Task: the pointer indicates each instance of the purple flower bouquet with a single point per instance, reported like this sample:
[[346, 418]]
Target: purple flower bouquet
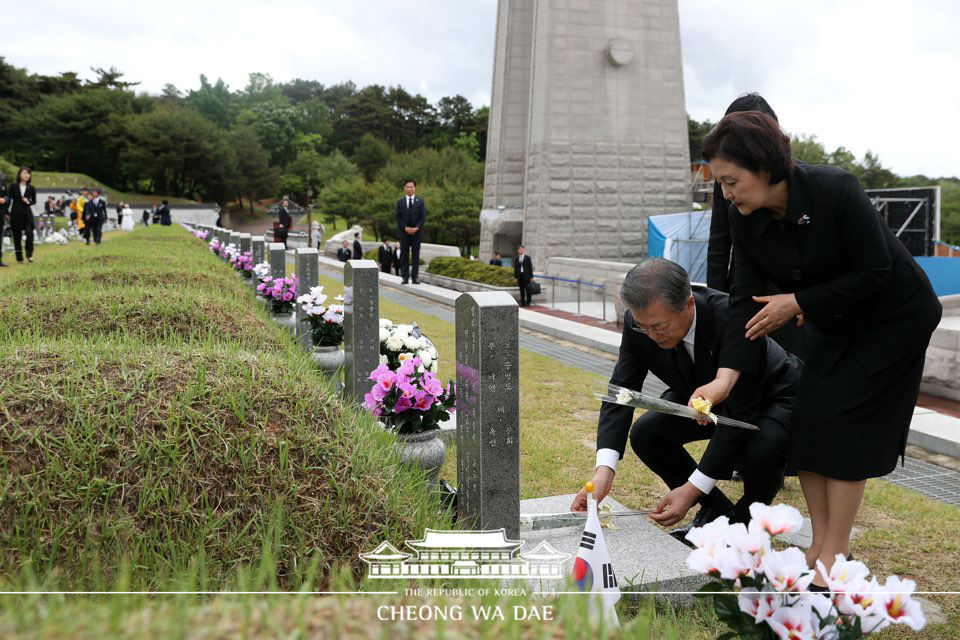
[[411, 399]]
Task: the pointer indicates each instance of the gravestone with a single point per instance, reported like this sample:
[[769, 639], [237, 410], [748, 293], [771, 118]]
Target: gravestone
[[361, 326], [278, 260], [234, 238], [257, 248], [244, 239], [307, 270], [488, 412]]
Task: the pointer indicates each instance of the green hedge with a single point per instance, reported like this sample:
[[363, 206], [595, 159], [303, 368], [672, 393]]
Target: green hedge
[[473, 270]]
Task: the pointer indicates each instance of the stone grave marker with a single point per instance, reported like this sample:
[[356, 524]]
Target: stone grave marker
[[361, 326], [307, 270], [488, 411]]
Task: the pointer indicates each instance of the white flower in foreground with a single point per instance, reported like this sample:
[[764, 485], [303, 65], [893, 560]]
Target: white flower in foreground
[[384, 334], [858, 600], [424, 358], [411, 343], [787, 570], [384, 323], [394, 343], [843, 572], [759, 604], [384, 359], [754, 542], [821, 608], [711, 558], [793, 623], [892, 601], [776, 519], [624, 396], [709, 534]]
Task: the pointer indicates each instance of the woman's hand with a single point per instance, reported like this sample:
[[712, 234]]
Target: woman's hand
[[777, 311], [716, 391]]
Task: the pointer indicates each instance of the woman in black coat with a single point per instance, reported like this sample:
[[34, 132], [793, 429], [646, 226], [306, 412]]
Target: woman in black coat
[[21, 195], [868, 308], [284, 222]]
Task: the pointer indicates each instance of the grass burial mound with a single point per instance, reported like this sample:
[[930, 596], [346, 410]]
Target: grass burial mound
[[155, 424]]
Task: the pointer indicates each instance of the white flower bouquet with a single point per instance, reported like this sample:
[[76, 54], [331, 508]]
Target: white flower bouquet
[[326, 321], [774, 600], [261, 270], [401, 342]]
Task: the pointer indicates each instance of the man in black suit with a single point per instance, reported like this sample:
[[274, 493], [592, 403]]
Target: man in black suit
[[523, 272], [495, 260], [357, 247], [385, 256], [4, 208], [343, 253], [284, 221], [165, 214], [411, 216], [96, 213], [676, 332]]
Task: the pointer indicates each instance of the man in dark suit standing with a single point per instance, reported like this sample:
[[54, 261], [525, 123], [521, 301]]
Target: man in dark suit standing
[[357, 247], [284, 221], [343, 253], [411, 216], [523, 272], [676, 333], [385, 256], [96, 212], [495, 260], [4, 208]]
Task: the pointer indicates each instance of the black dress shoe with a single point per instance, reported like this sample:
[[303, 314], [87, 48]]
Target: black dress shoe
[[416, 282], [815, 588], [404, 282], [704, 516]]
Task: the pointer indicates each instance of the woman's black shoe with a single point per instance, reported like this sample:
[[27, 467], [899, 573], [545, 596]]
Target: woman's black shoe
[[815, 588]]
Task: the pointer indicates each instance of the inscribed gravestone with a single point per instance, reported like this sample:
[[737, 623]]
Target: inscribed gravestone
[[488, 412], [361, 326], [307, 269]]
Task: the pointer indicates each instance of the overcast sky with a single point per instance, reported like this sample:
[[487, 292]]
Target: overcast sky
[[866, 74]]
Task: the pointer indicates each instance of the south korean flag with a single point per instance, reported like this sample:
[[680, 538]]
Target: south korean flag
[[593, 569]]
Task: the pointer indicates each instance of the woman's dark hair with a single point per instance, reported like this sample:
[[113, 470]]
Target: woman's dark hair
[[751, 102], [20, 170], [752, 140]]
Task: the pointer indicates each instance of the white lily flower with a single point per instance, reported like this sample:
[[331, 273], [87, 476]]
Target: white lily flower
[[787, 570], [776, 519]]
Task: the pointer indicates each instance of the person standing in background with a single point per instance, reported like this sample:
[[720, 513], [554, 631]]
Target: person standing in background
[[357, 247], [80, 205], [4, 208], [385, 256], [343, 253], [97, 210], [523, 272], [22, 197], [397, 262], [411, 216], [127, 224], [496, 260], [284, 222]]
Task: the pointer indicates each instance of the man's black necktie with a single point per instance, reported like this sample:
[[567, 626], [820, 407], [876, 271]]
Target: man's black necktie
[[685, 364]]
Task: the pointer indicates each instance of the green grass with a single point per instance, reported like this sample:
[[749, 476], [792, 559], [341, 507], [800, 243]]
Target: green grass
[[75, 181], [152, 417]]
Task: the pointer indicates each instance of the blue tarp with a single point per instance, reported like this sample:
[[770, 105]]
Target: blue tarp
[[681, 237], [944, 273]]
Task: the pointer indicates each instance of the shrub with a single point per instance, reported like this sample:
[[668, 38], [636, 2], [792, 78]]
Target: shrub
[[472, 270]]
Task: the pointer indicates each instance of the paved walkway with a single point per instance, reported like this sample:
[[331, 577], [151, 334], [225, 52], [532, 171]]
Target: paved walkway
[[929, 479]]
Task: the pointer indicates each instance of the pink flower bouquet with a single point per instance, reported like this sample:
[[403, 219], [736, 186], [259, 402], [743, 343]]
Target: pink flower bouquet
[[279, 291], [410, 399], [243, 262]]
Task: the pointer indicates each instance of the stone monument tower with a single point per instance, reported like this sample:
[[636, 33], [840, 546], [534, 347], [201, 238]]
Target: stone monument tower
[[588, 130]]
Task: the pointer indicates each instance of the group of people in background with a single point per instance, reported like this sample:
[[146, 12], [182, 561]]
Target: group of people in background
[[157, 214]]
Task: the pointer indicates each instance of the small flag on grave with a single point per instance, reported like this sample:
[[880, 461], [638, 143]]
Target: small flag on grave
[[593, 569]]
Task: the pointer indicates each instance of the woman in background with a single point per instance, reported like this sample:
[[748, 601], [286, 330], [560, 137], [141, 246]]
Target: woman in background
[[22, 196]]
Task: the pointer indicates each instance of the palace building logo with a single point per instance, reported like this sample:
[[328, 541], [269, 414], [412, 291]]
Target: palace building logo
[[465, 554]]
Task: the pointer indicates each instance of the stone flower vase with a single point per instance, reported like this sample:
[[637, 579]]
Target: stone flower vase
[[425, 450], [287, 320], [328, 359]]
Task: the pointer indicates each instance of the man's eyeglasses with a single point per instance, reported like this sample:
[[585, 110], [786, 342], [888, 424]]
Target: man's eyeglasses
[[660, 329]]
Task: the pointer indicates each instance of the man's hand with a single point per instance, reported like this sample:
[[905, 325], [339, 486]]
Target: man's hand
[[674, 506], [777, 311], [602, 483], [716, 391], [411, 230]]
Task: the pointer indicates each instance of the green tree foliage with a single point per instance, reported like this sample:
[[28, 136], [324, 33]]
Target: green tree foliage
[[371, 155], [344, 198], [254, 178]]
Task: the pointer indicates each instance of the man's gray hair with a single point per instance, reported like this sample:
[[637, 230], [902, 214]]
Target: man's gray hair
[[653, 279]]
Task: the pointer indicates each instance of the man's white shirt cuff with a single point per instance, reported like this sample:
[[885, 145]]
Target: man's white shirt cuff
[[703, 482], [608, 458]]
